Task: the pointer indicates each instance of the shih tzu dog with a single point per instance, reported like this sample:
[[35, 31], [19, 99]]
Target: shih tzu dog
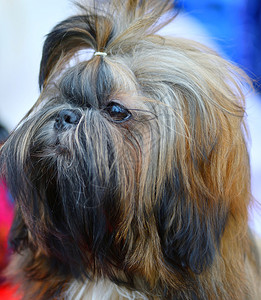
[[131, 172]]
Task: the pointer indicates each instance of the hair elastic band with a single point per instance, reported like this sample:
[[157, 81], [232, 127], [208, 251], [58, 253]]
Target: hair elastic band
[[100, 53]]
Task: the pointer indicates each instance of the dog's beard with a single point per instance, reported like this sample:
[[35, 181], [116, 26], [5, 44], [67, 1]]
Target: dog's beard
[[75, 188]]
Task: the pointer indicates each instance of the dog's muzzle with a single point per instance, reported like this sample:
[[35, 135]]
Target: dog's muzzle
[[66, 119]]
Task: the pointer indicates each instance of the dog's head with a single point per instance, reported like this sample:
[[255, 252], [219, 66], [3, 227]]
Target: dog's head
[[133, 162]]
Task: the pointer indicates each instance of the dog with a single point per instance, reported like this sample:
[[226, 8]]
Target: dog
[[131, 172]]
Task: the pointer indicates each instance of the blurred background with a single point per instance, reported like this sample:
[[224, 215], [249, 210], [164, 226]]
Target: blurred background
[[231, 27]]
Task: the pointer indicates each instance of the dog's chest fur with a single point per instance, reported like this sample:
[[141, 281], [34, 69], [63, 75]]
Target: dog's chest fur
[[101, 290]]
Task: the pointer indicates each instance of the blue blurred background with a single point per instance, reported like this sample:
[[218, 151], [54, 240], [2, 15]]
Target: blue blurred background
[[236, 27]]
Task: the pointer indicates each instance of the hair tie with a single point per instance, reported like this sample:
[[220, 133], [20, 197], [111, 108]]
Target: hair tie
[[100, 53]]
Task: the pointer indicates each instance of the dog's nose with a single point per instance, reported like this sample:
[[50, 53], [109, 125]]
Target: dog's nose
[[66, 119]]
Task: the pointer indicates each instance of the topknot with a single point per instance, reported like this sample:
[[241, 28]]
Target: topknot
[[113, 26]]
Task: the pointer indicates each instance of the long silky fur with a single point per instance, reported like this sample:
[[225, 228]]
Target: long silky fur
[[152, 208]]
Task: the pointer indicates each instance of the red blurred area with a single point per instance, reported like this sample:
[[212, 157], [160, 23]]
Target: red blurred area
[[7, 292], [6, 217]]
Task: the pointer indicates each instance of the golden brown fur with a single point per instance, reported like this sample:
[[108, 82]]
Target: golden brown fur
[[154, 206]]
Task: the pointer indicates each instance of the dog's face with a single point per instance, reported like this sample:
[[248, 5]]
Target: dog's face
[[130, 165]]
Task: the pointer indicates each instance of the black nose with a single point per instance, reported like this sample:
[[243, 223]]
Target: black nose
[[66, 119]]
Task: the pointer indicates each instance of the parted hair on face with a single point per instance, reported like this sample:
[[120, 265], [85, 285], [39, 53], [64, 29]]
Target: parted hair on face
[[131, 172]]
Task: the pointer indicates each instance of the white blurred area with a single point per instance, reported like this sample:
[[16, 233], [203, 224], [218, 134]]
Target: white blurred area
[[23, 25]]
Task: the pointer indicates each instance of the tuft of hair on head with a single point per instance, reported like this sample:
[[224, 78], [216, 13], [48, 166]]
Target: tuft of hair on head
[[112, 26]]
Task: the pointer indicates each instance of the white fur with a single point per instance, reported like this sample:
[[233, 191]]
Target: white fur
[[101, 290]]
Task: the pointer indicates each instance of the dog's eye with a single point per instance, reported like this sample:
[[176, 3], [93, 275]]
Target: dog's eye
[[117, 112]]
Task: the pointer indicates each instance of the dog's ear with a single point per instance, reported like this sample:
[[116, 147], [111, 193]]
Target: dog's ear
[[190, 231], [204, 199]]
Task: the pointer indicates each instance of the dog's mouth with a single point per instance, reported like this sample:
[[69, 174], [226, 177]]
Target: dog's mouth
[[60, 148]]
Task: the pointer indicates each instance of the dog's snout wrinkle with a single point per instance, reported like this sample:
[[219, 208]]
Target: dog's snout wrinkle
[[66, 119]]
